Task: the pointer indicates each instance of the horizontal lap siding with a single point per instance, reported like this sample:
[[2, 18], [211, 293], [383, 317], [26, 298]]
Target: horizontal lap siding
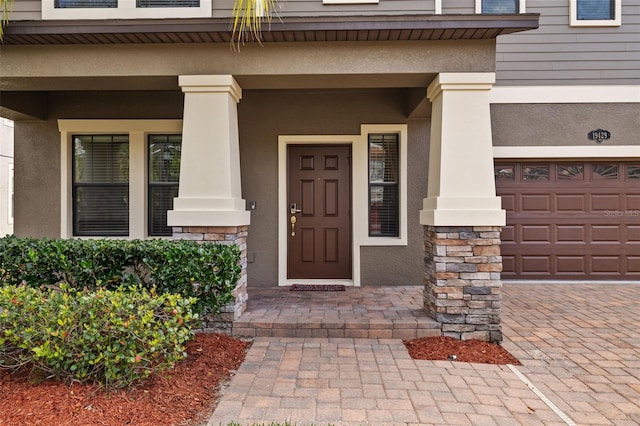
[[556, 54], [27, 10], [223, 8]]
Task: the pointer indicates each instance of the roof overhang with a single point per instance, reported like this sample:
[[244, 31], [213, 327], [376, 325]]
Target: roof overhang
[[287, 29]]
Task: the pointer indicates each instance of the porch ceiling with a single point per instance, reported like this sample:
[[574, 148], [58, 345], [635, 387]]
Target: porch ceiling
[[294, 29]]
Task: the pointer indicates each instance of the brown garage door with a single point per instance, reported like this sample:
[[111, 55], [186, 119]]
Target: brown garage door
[[570, 220]]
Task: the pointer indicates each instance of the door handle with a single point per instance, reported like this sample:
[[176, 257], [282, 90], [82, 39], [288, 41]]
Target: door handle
[[293, 209]]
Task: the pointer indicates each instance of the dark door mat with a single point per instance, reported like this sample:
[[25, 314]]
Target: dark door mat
[[313, 287]]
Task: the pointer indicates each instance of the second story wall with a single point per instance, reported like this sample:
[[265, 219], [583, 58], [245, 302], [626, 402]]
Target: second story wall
[[560, 54]]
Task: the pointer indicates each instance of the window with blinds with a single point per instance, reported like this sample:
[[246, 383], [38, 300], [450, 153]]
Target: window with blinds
[[596, 10], [383, 185], [500, 6], [167, 3], [100, 189], [163, 176], [85, 4]]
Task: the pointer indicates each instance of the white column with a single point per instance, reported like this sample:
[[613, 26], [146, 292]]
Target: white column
[[461, 187], [210, 192]]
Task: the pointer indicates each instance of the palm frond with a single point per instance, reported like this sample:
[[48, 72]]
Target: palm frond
[[4, 17], [248, 17]]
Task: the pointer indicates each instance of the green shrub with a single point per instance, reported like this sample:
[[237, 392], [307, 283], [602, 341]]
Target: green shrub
[[111, 337], [208, 272]]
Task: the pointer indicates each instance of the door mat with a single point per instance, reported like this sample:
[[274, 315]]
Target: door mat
[[313, 287]]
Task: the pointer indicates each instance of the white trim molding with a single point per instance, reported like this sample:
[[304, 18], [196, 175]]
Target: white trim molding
[[359, 191], [137, 131], [575, 22], [569, 152], [126, 9], [564, 94]]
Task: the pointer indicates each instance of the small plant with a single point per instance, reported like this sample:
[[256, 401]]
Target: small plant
[[111, 337]]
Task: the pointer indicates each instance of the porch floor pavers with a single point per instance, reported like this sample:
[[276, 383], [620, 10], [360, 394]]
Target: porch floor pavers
[[365, 312], [579, 345]]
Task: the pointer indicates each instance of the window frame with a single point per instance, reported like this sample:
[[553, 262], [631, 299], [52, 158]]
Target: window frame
[[138, 131], [92, 184], [395, 185], [575, 22], [151, 184], [126, 9], [522, 6]]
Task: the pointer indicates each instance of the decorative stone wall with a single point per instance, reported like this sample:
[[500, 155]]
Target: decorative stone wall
[[223, 321], [463, 290]]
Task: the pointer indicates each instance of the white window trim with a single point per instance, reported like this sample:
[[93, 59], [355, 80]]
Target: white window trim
[[567, 151], [522, 6], [359, 194], [137, 131], [575, 22], [126, 10], [10, 192]]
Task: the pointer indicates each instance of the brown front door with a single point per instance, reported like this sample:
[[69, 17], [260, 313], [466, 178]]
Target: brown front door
[[319, 204]]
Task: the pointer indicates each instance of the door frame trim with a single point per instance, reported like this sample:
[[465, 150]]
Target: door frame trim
[[283, 143], [359, 198]]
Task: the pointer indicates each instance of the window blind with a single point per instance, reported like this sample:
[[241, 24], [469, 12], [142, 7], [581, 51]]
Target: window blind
[[100, 185], [500, 6], [383, 185], [592, 10], [84, 4], [163, 175], [167, 3]]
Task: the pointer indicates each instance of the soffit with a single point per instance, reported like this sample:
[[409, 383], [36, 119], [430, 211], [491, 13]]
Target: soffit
[[290, 29]]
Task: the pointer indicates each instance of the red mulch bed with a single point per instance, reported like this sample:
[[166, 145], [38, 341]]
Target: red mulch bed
[[182, 396], [441, 348]]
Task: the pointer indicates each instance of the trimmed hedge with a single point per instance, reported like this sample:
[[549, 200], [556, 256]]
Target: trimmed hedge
[[111, 337], [208, 272]]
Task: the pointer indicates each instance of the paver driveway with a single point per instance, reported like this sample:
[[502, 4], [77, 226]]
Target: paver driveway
[[579, 345]]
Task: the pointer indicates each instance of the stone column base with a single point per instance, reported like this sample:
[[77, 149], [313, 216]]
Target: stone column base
[[463, 290], [222, 235]]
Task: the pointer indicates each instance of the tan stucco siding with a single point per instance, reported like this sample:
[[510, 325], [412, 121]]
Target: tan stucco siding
[[563, 124], [275, 65], [37, 179], [265, 115]]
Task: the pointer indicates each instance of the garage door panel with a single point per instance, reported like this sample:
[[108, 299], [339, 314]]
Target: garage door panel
[[633, 264], [535, 202], [571, 203], [632, 232], [535, 234], [570, 234], [508, 234], [573, 222], [605, 233], [633, 201], [602, 202], [605, 264], [571, 265], [509, 202], [508, 263], [536, 264]]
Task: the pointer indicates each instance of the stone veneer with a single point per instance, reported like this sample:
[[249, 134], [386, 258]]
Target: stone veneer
[[463, 290], [223, 321]]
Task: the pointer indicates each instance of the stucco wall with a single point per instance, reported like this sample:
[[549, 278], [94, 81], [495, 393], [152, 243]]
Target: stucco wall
[[563, 124], [265, 115], [37, 179]]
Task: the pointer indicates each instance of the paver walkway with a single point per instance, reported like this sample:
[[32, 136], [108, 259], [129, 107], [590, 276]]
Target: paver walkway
[[580, 346]]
